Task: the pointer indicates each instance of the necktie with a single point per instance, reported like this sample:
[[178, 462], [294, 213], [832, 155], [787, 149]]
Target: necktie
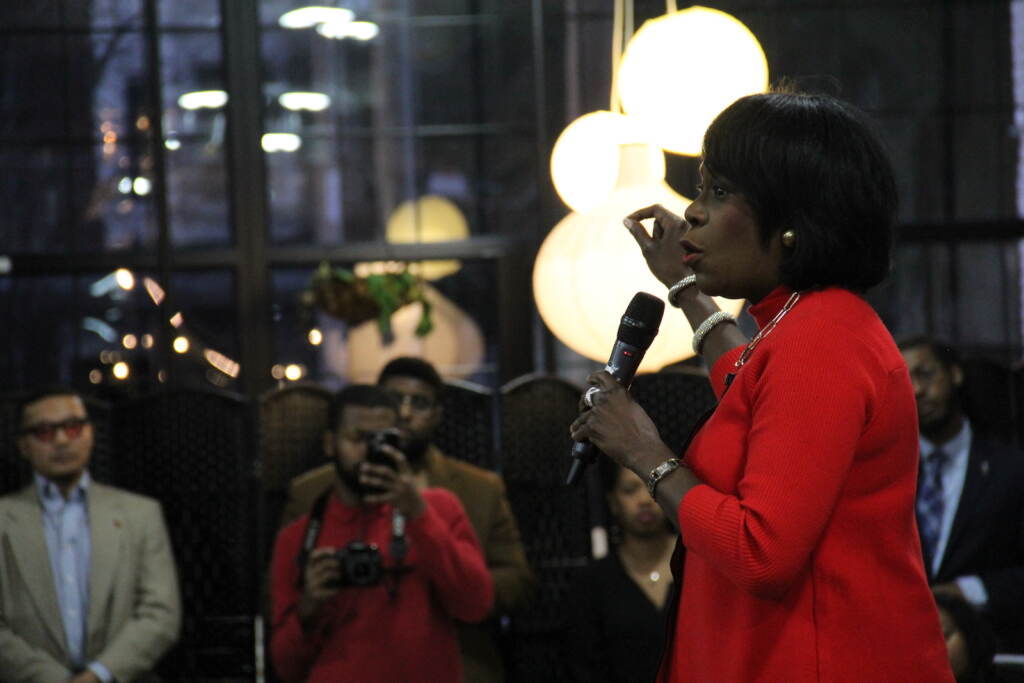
[[931, 504]]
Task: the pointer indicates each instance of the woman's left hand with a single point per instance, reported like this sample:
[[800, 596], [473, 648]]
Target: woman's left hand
[[618, 426]]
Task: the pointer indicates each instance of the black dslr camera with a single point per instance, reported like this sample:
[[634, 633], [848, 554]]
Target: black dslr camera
[[360, 564]]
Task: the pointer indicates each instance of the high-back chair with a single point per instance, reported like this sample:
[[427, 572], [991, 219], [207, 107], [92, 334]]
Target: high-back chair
[[467, 429], [553, 518], [193, 451]]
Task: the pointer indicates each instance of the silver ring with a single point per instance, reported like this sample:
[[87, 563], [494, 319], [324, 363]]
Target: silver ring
[[588, 397]]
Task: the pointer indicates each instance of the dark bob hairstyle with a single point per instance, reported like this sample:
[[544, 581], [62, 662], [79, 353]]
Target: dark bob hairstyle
[[812, 164]]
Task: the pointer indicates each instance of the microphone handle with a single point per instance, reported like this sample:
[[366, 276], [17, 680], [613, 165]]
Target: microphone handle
[[582, 455], [622, 365]]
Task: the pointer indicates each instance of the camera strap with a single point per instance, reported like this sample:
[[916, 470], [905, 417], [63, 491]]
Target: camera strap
[[397, 548], [316, 520]]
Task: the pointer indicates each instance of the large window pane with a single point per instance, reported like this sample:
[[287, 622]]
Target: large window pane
[[195, 138]]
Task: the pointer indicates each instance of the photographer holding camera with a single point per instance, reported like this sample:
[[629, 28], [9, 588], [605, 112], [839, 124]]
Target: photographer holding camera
[[367, 585]]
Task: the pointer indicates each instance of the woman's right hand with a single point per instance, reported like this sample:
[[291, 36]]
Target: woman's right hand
[[661, 248]]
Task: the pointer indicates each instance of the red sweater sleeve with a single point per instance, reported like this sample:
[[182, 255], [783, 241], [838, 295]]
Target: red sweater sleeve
[[450, 555], [292, 650], [808, 406]]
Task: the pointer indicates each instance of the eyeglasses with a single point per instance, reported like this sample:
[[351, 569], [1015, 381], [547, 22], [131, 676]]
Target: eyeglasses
[[47, 431], [418, 401]]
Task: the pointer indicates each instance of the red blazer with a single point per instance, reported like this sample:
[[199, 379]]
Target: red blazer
[[803, 560]]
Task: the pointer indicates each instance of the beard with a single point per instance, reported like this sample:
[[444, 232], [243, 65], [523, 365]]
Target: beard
[[350, 478]]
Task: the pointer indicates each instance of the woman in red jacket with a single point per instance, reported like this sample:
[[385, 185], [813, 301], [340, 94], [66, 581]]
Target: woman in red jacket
[[795, 499]]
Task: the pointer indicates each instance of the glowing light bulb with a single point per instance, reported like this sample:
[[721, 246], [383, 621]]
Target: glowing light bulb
[[125, 279]]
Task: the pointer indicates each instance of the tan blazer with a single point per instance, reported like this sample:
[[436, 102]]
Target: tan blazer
[[134, 607], [482, 494]]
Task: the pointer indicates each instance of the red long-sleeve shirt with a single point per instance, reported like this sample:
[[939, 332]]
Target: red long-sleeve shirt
[[803, 561], [364, 635]]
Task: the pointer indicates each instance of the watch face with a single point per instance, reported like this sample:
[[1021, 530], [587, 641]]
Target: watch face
[[659, 472]]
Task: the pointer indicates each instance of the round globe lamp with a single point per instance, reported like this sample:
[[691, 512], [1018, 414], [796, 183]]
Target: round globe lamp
[[430, 218], [681, 69], [589, 267], [585, 158]]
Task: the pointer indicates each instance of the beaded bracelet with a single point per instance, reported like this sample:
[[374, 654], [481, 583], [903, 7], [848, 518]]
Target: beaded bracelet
[[709, 323], [674, 290]]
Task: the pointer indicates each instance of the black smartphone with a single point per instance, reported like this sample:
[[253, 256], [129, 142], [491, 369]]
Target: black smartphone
[[374, 453]]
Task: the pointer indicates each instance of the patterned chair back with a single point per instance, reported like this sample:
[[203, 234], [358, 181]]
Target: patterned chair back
[[193, 451], [467, 429], [553, 518]]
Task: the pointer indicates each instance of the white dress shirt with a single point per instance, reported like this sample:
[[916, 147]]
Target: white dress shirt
[[66, 527]]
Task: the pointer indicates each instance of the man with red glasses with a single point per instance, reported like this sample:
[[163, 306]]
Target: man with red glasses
[[88, 587]]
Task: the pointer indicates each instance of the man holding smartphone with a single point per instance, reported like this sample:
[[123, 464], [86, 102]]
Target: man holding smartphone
[[367, 586]]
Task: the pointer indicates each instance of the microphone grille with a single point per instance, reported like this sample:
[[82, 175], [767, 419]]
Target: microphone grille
[[640, 323]]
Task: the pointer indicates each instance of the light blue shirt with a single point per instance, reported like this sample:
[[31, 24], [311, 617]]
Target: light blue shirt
[[66, 527], [953, 477]]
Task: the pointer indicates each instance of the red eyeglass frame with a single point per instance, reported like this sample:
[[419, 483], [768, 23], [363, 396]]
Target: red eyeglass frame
[[47, 431]]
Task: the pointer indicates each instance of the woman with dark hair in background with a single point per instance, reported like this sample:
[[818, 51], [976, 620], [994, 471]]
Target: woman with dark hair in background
[[616, 612], [794, 501]]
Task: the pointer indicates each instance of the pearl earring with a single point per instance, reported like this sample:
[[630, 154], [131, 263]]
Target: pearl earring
[[788, 238]]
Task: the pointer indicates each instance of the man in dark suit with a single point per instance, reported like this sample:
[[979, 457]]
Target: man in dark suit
[[416, 387], [970, 499]]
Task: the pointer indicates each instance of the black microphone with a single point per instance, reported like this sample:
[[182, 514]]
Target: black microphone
[[637, 329]]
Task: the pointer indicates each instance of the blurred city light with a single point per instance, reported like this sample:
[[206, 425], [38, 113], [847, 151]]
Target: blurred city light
[[203, 99], [307, 17], [304, 101], [358, 30], [125, 279], [280, 142]]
